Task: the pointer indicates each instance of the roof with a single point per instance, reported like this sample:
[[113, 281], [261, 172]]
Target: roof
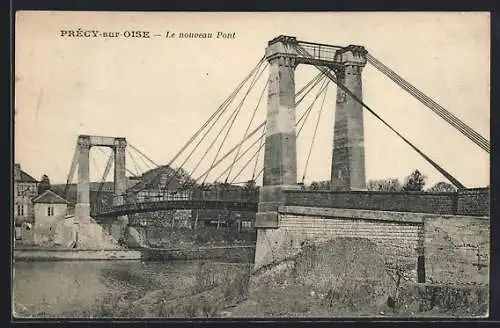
[[25, 177], [49, 197]]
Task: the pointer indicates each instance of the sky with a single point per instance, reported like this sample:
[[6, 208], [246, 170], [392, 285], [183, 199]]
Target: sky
[[157, 92]]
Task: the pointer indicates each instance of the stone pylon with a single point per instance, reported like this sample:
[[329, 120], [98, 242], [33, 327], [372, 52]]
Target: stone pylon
[[82, 206], [348, 156], [120, 180], [280, 156]]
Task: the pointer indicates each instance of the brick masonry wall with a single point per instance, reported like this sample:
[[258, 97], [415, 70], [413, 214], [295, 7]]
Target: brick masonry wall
[[474, 202], [457, 249], [397, 240]]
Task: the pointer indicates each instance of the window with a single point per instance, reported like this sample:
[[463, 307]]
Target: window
[[20, 210], [50, 211], [246, 224]]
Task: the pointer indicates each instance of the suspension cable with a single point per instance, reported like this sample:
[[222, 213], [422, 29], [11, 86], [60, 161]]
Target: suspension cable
[[244, 153], [144, 155], [203, 138], [213, 143], [146, 163], [74, 163], [257, 158], [103, 179], [327, 72], [104, 153], [314, 135], [256, 154], [234, 118], [309, 109], [443, 113], [246, 164], [431, 104], [248, 127], [313, 80], [229, 99], [210, 147], [262, 125], [260, 172], [95, 163], [322, 78], [136, 165], [446, 115], [223, 106]]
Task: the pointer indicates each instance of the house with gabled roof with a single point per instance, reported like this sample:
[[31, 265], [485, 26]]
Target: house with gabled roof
[[48, 208], [25, 188]]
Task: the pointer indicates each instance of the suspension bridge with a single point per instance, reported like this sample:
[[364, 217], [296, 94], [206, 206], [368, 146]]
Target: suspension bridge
[[263, 148]]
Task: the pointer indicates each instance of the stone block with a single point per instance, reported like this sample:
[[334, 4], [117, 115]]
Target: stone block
[[266, 220]]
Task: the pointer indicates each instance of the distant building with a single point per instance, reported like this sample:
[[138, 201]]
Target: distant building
[[48, 208], [25, 189]]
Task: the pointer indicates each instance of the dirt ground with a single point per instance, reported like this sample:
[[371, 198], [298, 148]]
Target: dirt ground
[[350, 278]]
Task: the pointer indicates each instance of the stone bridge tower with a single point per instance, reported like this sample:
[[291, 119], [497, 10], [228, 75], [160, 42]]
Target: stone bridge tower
[[82, 155], [280, 156], [348, 155]]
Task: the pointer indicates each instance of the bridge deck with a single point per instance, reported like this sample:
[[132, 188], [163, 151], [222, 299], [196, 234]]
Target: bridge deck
[[151, 202]]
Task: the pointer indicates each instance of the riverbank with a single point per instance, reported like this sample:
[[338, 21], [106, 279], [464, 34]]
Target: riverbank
[[231, 254], [234, 254], [54, 254]]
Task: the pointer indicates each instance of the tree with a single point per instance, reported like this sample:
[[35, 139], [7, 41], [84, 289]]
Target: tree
[[442, 187], [185, 180], [414, 182], [320, 185], [44, 184], [384, 185], [314, 185], [324, 185], [250, 186]]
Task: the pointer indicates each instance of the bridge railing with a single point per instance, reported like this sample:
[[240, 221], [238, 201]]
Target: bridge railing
[[318, 51], [238, 196], [471, 202]]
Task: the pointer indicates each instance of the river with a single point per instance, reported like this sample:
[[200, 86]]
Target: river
[[85, 288]]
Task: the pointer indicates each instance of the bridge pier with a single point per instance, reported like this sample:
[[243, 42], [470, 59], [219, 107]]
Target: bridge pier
[[82, 206], [280, 156], [348, 155], [120, 180]]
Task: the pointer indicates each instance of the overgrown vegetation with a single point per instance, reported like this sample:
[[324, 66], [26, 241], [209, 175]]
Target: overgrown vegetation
[[205, 237]]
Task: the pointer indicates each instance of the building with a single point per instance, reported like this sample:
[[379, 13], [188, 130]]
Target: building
[[48, 208], [25, 189]]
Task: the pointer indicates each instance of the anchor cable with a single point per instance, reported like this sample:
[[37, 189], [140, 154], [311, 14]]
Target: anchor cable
[[327, 72], [431, 104]]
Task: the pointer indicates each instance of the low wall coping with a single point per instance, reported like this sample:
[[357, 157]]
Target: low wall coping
[[408, 217]]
